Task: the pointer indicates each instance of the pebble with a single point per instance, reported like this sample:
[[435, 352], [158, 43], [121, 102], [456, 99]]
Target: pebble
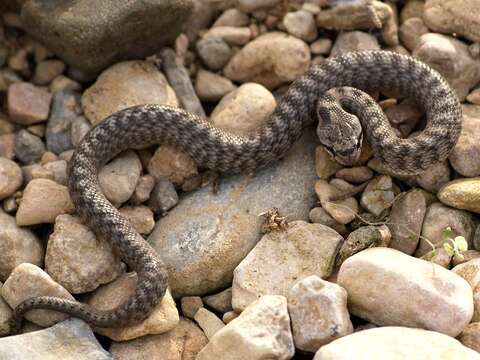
[[470, 271], [465, 157], [232, 17], [141, 217], [19, 62], [213, 233], [36, 171], [354, 41], [143, 189], [301, 24], [253, 5], [28, 147], [281, 258], [11, 177], [321, 46], [7, 146], [244, 110], [28, 104], [123, 85], [262, 331], [72, 338], [467, 255], [406, 219], [47, 70], [208, 321], [170, 163], [396, 342], [321, 216], [410, 32], [163, 318], [59, 170], [325, 164], [18, 245], [356, 175], [360, 239], [461, 194], [221, 302], [474, 96], [28, 280], [5, 313], [190, 305], [233, 36], [378, 195], [413, 8], [262, 60], [319, 314], [438, 256], [470, 337], [214, 52], [440, 302], [435, 177], [182, 342], [229, 316], [119, 178], [90, 37], [211, 87], [62, 83], [77, 259], [43, 200]]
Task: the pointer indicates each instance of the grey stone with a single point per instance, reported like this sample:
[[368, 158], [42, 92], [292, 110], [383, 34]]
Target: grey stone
[[163, 196], [214, 52], [28, 147]]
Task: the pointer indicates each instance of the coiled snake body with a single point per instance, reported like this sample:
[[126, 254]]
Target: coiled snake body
[[145, 125]]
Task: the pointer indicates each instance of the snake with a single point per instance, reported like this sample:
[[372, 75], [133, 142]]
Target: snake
[[306, 98]]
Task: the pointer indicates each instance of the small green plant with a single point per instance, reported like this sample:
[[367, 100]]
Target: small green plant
[[455, 246]]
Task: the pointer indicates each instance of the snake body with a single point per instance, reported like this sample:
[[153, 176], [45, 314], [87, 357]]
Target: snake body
[[210, 147]]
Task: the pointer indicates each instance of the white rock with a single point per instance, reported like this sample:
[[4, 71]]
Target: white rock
[[208, 321]]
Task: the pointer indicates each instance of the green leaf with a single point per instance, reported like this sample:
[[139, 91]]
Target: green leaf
[[449, 249], [461, 243], [446, 233]]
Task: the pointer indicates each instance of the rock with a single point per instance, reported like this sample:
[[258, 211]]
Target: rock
[[17, 245], [28, 280], [321, 216], [437, 218], [413, 8], [467, 255], [318, 310], [441, 302], [124, 85], [59, 170], [92, 37], [143, 189], [360, 239], [5, 313], [262, 331], [7, 146], [221, 302], [214, 52], [72, 338], [406, 219], [119, 178], [283, 257], [36, 171], [209, 322], [28, 147], [42, 201], [301, 24], [163, 318], [470, 337], [229, 316], [470, 271], [435, 177], [261, 60], [453, 16], [357, 174], [172, 164], [141, 217], [411, 31], [232, 17], [47, 70], [202, 15], [354, 41], [27, 103], [396, 342], [451, 58], [64, 83], [206, 236], [190, 305], [325, 164], [465, 157], [438, 256], [212, 87], [461, 194], [244, 110], [378, 195], [253, 5], [233, 36], [164, 196], [11, 177], [474, 96], [76, 259], [182, 342]]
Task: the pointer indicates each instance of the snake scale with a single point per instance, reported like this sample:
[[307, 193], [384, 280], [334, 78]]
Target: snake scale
[[210, 147]]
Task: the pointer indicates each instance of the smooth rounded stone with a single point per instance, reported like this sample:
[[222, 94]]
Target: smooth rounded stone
[[432, 297], [233, 36], [356, 175], [221, 302], [263, 60], [36, 171], [378, 195], [141, 217], [163, 318], [17, 245], [212, 87], [143, 189], [470, 271], [465, 157], [319, 314], [182, 342], [90, 36], [65, 109], [47, 70], [253, 5], [59, 170], [394, 342], [474, 96], [244, 110], [19, 62], [11, 177], [360, 239], [27, 103], [321, 46], [470, 337], [262, 331], [343, 211], [214, 52], [413, 8], [320, 216], [190, 305], [435, 177], [62, 83], [76, 259], [281, 258], [28, 280], [170, 163], [208, 321], [124, 85], [204, 237], [43, 200], [119, 178], [301, 24], [7, 146], [325, 165], [229, 316], [71, 339], [38, 130], [232, 17], [451, 58], [410, 32], [406, 219], [5, 314], [28, 147], [461, 194], [354, 41], [453, 16]]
